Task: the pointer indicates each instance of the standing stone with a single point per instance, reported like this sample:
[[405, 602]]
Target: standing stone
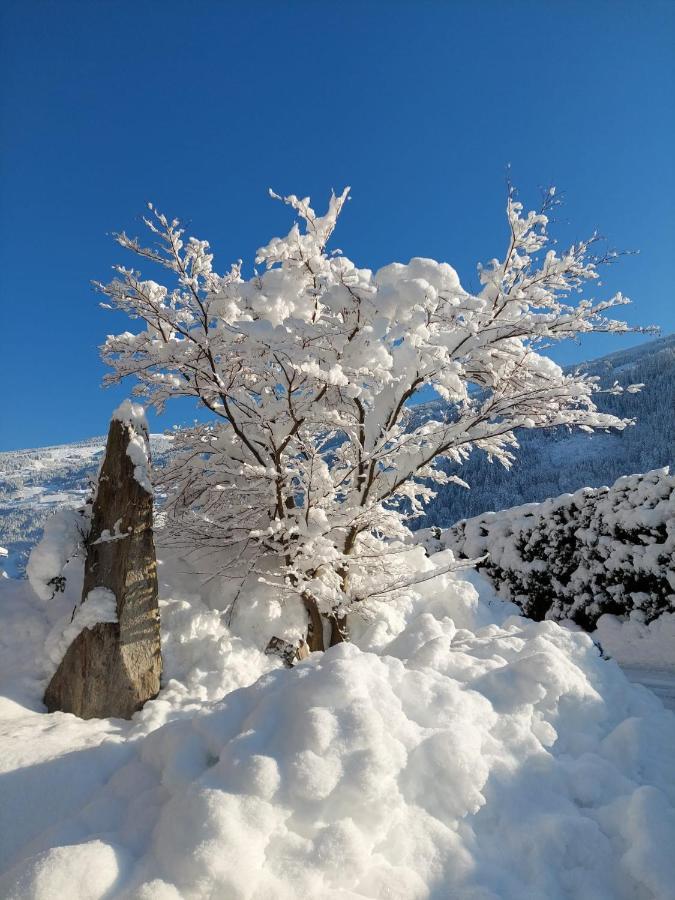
[[113, 668]]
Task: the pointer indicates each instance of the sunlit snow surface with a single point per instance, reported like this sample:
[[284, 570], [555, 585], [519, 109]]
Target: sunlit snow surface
[[646, 652], [453, 751]]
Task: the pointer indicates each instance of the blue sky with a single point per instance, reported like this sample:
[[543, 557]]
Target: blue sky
[[200, 107]]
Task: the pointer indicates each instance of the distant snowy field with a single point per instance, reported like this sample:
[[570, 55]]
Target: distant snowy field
[[35, 483], [453, 750]]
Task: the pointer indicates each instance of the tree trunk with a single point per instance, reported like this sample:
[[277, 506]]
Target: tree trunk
[[113, 668], [315, 626], [339, 632]]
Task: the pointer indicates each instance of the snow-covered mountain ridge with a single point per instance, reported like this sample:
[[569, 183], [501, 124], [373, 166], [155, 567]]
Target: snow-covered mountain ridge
[[550, 463], [36, 482]]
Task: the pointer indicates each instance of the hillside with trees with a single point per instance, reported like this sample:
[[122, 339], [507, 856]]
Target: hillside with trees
[[552, 463]]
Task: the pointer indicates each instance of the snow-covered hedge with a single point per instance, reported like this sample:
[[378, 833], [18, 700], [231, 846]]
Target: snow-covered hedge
[[578, 556]]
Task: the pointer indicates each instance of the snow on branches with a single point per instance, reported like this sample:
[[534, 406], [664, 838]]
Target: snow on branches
[[314, 462]]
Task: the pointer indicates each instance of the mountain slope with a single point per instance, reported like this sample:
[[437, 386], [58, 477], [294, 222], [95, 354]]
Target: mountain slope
[[554, 462], [34, 483]]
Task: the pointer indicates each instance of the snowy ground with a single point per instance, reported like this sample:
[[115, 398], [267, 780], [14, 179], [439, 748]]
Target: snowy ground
[[454, 750], [660, 681], [646, 652]]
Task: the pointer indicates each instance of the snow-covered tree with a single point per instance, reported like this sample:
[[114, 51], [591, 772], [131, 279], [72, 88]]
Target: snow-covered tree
[[313, 466]]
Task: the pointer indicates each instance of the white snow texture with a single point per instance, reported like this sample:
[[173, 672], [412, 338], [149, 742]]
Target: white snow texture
[[61, 540], [133, 416], [453, 750]]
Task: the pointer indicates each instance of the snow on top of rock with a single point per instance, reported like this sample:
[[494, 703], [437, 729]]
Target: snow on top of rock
[[131, 414], [138, 450], [100, 605], [139, 453]]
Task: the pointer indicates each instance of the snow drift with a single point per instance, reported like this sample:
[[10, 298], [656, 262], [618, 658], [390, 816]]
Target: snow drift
[[454, 749]]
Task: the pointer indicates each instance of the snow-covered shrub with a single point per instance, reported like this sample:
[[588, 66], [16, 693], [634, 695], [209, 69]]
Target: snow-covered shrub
[[578, 556], [313, 467], [63, 538]]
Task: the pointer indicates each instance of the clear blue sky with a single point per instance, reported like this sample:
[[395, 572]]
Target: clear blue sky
[[200, 106]]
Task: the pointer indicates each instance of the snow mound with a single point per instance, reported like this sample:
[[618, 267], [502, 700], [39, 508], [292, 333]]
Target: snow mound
[[473, 764], [455, 750], [86, 871]]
